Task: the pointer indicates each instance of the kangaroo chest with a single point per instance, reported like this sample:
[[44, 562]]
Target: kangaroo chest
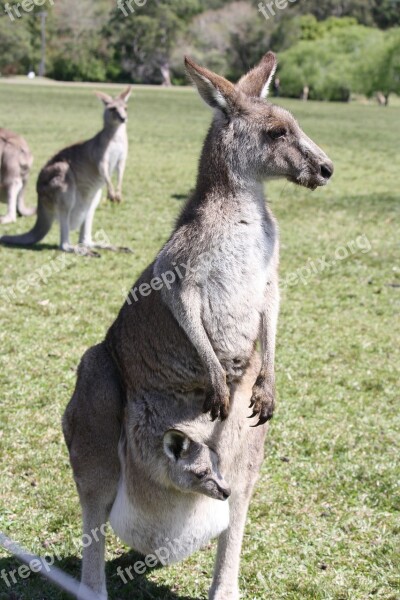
[[233, 285], [115, 153]]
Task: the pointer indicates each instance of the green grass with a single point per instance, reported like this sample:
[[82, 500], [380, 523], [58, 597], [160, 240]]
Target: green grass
[[324, 522]]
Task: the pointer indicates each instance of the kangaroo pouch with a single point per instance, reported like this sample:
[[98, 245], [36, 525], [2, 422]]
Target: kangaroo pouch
[[184, 522]]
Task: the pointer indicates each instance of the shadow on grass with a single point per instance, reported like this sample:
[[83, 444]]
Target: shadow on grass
[[183, 196], [34, 248], [37, 588]]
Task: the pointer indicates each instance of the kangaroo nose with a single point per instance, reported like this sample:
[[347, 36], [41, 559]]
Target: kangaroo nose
[[327, 170]]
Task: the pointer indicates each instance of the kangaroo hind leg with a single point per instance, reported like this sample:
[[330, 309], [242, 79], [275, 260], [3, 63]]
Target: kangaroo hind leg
[[85, 234], [92, 427], [13, 190]]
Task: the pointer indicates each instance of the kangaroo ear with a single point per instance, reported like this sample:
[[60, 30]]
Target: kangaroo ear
[[126, 94], [215, 90], [256, 82], [176, 444], [105, 98]]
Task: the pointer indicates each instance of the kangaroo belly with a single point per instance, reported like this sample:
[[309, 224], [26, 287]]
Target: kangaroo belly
[[82, 203], [182, 524], [77, 216]]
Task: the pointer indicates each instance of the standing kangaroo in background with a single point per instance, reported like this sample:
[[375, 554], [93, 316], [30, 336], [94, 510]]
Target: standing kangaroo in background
[[187, 348], [15, 163], [69, 186]]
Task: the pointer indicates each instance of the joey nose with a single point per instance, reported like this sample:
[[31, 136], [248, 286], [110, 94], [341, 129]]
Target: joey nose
[[327, 170], [226, 492]]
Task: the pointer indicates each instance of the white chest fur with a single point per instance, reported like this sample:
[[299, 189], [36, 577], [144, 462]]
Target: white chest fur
[[115, 152], [234, 284], [182, 524]]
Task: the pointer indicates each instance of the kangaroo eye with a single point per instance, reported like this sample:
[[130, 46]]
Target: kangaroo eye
[[201, 475], [276, 134]]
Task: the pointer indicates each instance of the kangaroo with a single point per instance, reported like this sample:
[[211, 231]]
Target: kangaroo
[[191, 345], [15, 164], [176, 471], [69, 186], [161, 472], [225, 245], [193, 466]]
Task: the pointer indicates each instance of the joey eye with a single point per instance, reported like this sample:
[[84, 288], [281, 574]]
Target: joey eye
[[278, 133]]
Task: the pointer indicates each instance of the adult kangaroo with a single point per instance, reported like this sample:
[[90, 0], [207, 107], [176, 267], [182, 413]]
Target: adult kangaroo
[[15, 164], [180, 350], [69, 185]]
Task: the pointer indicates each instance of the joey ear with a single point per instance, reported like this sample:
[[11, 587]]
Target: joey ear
[[215, 90], [176, 444], [256, 82], [126, 94], [105, 98]]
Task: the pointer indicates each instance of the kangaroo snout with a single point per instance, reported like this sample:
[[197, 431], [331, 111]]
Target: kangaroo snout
[[222, 490], [326, 170], [225, 492], [318, 171], [321, 165]]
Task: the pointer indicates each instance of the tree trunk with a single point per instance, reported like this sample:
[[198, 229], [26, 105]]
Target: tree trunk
[[166, 74], [381, 98]]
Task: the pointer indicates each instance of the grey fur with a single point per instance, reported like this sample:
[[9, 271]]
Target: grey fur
[[15, 164], [69, 185], [191, 347]]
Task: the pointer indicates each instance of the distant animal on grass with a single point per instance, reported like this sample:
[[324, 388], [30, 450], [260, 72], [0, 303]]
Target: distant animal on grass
[[186, 337], [15, 164], [69, 186]]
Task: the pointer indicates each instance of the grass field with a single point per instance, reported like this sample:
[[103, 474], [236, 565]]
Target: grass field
[[324, 522]]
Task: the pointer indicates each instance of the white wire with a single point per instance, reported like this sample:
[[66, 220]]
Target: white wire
[[54, 574]]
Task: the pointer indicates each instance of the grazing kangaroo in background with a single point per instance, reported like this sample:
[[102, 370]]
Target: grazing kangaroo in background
[[15, 163], [189, 347], [69, 186]]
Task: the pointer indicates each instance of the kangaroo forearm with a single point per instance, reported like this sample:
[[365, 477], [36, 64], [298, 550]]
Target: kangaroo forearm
[[120, 172], [186, 308], [269, 322], [263, 397]]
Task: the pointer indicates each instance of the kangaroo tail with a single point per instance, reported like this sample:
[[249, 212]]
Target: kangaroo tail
[[25, 211], [41, 228]]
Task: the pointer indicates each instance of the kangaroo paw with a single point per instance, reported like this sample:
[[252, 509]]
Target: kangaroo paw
[[7, 219], [262, 401], [114, 197], [122, 249], [217, 403], [80, 250]]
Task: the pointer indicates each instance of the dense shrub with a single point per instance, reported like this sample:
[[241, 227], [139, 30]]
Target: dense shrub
[[330, 64]]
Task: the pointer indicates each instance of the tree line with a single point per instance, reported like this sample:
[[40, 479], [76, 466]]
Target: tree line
[[331, 48]]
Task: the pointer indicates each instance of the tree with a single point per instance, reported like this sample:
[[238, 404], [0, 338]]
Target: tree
[[15, 47], [380, 69], [228, 40], [144, 40], [329, 66], [382, 13], [386, 13]]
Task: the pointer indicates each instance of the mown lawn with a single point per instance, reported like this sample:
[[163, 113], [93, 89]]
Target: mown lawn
[[324, 523]]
